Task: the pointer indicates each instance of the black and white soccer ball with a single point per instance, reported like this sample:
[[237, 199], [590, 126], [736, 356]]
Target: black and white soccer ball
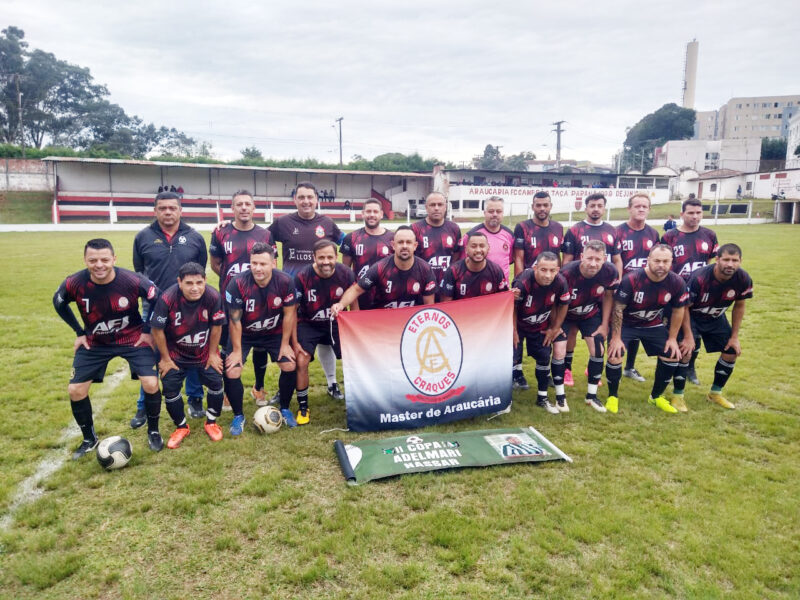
[[114, 452], [267, 419]]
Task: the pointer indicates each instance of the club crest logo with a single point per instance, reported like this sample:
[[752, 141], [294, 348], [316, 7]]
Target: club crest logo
[[704, 246], [667, 297], [431, 351], [649, 244], [123, 302], [339, 291], [730, 294], [319, 231], [182, 239], [415, 287], [276, 302]]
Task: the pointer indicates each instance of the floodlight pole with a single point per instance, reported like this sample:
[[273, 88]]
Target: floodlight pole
[[558, 131], [339, 120]]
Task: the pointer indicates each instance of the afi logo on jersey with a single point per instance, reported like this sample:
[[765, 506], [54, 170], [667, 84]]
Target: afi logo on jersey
[[635, 263], [712, 311], [646, 315], [441, 262], [402, 304], [265, 324], [236, 268], [198, 339], [691, 267], [106, 327], [536, 319], [322, 315]]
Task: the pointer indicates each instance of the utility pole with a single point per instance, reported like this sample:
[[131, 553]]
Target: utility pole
[[20, 132], [558, 131], [339, 120]]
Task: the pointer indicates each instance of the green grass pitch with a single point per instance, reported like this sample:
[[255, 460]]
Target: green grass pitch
[[702, 505]]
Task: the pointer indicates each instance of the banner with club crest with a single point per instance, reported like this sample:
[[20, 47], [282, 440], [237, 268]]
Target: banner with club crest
[[424, 365], [375, 459]]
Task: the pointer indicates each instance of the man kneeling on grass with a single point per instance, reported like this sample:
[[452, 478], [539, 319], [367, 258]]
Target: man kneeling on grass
[[186, 324]]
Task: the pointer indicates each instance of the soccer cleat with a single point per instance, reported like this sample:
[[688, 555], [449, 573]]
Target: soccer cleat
[[85, 447], [718, 398], [520, 383], [139, 419], [542, 402], [288, 417], [155, 441], [561, 405], [259, 396], [612, 404], [679, 403], [568, 380], [237, 425], [213, 430], [195, 408], [596, 404], [226, 406], [663, 404], [303, 417], [177, 437], [633, 374], [334, 392], [691, 377], [276, 399]]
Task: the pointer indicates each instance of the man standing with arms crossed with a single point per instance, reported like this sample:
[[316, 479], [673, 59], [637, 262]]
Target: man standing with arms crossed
[[693, 247], [297, 233], [531, 238], [636, 238], [159, 251], [499, 237]]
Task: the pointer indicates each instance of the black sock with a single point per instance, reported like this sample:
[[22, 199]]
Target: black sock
[[82, 411], [722, 372], [260, 358], [175, 410], [613, 375], [302, 399], [287, 381], [542, 376], [557, 367], [235, 391], [214, 401], [568, 361], [152, 404], [664, 373], [595, 369], [695, 352], [517, 359], [679, 380], [630, 359]]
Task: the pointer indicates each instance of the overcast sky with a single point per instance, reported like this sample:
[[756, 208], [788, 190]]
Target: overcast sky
[[443, 79]]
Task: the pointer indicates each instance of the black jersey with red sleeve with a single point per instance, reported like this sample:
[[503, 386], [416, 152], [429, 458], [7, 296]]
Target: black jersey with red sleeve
[[297, 237], [691, 251], [645, 299], [635, 245], [365, 249], [536, 302], [232, 246], [437, 245], [262, 308], [187, 325], [577, 236], [586, 294], [459, 282], [535, 239], [395, 288], [710, 298], [316, 295], [110, 311]]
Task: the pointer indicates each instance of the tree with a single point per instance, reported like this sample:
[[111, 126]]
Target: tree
[[773, 149], [493, 160], [519, 162], [252, 153], [670, 122]]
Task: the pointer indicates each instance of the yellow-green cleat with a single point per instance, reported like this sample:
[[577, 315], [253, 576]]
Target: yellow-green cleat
[[303, 417], [663, 404], [679, 403], [718, 398], [612, 404]]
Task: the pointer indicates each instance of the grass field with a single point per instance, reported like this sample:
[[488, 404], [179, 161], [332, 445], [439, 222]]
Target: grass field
[[26, 207], [702, 505]]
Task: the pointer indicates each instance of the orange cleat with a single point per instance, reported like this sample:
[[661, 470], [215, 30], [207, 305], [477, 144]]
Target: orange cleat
[[177, 437], [213, 431]]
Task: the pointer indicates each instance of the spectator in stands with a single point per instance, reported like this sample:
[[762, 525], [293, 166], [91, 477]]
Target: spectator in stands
[[160, 189], [180, 191], [172, 189], [670, 223], [347, 204]]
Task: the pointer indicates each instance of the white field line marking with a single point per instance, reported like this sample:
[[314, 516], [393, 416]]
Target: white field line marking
[[30, 489]]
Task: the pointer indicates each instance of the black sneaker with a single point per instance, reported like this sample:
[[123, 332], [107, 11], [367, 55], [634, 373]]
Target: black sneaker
[[334, 392], [276, 399], [85, 447], [520, 383], [155, 441], [692, 377], [139, 419], [196, 408]]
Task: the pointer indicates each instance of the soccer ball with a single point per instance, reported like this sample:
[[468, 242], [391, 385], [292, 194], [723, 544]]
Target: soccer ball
[[114, 452], [267, 419]]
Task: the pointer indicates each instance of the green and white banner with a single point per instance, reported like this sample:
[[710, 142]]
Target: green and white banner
[[374, 459]]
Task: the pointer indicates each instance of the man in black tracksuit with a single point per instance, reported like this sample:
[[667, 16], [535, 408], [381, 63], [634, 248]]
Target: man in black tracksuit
[[159, 251]]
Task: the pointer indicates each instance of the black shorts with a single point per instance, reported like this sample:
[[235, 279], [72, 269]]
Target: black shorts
[[536, 348], [586, 326], [271, 344], [652, 338], [90, 365], [714, 333], [172, 381], [310, 336]]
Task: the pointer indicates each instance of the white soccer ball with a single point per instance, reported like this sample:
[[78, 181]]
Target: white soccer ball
[[114, 452], [267, 419]]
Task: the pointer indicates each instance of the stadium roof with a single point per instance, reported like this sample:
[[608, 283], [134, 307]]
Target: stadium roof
[[719, 174], [153, 163]]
